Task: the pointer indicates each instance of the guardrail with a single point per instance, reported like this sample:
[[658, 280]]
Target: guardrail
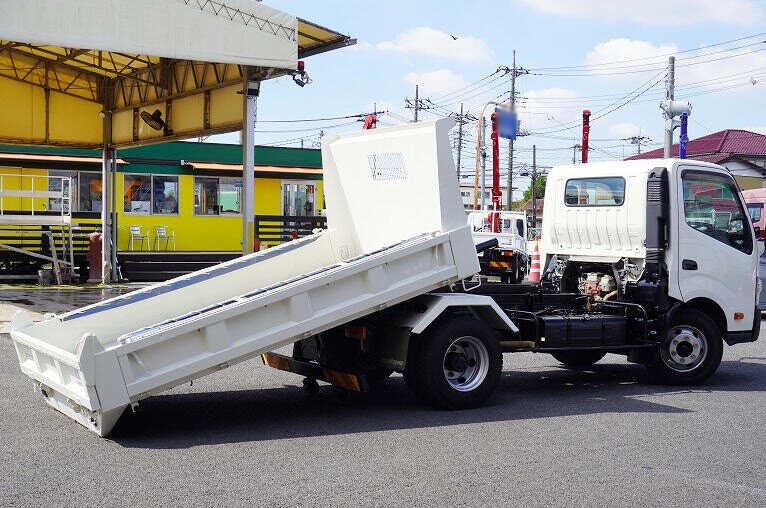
[[275, 229]]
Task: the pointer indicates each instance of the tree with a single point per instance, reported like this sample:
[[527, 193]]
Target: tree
[[539, 189]]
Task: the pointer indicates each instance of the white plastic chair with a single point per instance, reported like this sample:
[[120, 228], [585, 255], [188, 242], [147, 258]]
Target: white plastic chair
[[137, 235], [163, 233]]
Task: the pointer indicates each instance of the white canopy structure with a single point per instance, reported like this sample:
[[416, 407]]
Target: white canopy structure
[[232, 31], [119, 73]]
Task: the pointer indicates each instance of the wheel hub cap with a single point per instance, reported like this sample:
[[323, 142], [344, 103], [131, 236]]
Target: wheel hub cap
[[685, 348], [466, 363]]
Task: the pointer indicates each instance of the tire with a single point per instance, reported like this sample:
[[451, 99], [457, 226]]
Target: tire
[[505, 278], [579, 359], [377, 378], [690, 352], [457, 364]]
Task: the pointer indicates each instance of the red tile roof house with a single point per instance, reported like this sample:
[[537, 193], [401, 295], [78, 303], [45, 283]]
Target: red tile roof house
[[742, 152]]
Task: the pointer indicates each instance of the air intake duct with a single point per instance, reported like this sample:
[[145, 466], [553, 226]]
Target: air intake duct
[[656, 218]]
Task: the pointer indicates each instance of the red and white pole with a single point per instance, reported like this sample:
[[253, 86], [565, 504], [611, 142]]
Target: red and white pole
[[585, 134], [495, 217]]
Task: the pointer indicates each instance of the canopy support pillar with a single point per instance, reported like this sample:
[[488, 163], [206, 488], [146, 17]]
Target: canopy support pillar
[[113, 192], [250, 92], [106, 192]]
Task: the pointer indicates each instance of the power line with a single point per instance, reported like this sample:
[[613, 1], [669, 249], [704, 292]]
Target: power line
[[657, 57], [357, 115], [633, 94]]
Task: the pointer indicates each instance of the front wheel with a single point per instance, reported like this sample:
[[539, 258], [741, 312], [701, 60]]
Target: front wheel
[[690, 352], [457, 365]]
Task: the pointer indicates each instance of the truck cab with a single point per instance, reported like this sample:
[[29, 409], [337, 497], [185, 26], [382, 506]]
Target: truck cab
[[672, 236]]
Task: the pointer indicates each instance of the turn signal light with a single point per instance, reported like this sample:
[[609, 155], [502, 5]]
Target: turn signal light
[[739, 315], [356, 332]]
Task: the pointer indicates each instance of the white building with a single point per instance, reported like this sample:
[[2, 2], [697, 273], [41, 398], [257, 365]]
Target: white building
[[466, 194]]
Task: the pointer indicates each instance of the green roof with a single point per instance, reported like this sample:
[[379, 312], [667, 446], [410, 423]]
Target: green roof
[[194, 152]]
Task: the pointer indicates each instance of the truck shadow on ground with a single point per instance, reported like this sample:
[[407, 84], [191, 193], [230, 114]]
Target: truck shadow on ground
[[192, 419]]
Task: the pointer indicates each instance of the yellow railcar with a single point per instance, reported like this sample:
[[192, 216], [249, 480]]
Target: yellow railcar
[[177, 197]]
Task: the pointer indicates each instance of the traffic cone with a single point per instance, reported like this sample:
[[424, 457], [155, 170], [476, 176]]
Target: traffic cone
[[534, 269]]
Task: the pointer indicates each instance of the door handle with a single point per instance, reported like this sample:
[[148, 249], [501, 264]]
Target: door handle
[[688, 264]]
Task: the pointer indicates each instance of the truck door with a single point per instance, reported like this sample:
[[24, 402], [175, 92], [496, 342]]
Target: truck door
[[715, 244]]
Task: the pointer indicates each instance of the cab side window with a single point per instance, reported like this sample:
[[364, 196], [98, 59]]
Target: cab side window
[[711, 206], [607, 191]]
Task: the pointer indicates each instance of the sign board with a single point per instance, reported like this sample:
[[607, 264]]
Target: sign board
[[507, 123]]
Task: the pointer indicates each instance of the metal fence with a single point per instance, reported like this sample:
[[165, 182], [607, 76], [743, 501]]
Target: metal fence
[[275, 229]]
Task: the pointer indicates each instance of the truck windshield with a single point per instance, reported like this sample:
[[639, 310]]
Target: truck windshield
[[607, 191]]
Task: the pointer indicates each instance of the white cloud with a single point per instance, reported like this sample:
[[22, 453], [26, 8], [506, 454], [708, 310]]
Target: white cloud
[[656, 12], [549, 108], [625, 130], [430, 42], [618, 50], [360, 46], [706, 69], [382, 105], [436, 82]]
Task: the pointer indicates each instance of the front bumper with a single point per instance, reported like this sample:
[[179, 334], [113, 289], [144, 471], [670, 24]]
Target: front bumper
[[732, 338]]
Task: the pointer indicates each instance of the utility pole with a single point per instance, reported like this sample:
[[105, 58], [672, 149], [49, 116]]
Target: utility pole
[[637, 140], [575, 147], [534, 179], [417, 103], [483, 160], [515, 73], [459, 140], [510, 141], [669, 96]]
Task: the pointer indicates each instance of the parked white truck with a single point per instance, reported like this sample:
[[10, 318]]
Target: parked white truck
[[636, 263], [508, 259]]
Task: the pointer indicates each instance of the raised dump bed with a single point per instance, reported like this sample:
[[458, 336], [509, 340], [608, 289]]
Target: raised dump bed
[[396, 230]]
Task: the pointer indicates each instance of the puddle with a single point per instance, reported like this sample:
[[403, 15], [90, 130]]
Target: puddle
[[57, 300]]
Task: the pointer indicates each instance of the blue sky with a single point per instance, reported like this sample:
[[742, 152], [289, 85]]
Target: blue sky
[[614, 46]]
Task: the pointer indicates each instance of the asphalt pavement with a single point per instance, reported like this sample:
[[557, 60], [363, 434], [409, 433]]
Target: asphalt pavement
[[248, 435]]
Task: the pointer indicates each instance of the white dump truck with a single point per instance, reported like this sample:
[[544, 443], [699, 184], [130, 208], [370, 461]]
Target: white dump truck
[[651, 259]]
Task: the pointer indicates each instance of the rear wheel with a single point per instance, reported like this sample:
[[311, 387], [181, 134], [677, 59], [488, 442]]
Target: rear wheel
[[579, 358], [377, 377], [690, 352], [457, 364]]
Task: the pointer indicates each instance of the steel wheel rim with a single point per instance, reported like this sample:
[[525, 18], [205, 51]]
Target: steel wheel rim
[[466, 363], [685, 348]]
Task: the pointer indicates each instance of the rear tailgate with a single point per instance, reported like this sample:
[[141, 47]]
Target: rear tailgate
[[67, 381]]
